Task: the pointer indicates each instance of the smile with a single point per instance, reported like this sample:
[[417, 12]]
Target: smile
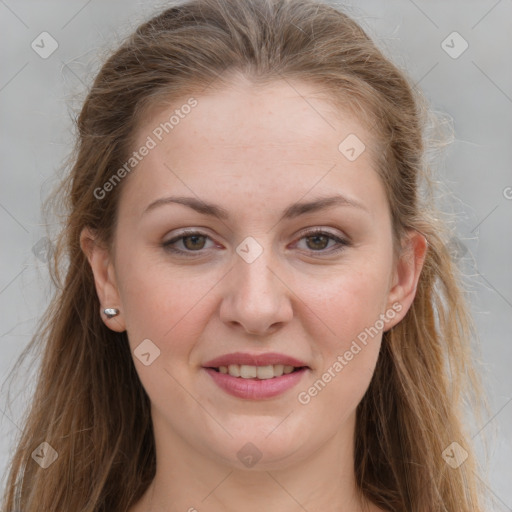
[[245, 371]]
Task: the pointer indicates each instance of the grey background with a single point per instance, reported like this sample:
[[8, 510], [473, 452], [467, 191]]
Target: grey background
[[37, 98]]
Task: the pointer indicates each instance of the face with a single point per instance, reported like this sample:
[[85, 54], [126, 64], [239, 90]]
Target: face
[[317, 283]]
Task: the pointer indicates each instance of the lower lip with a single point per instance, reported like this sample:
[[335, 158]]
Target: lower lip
[[256, 389]]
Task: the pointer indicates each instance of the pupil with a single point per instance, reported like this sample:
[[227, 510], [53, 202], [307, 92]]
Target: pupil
[[317, 237], [194, 237]]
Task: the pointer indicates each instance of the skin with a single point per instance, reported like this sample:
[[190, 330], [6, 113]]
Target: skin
[[254, 151]]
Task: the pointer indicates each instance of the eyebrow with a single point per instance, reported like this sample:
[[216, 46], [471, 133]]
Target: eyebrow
[[294, 210]]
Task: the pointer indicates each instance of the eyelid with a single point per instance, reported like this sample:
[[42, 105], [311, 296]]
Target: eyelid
[[322, 230]]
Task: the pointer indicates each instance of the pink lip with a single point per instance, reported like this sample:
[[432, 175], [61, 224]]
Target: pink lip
[[269, 358], [256, 389]]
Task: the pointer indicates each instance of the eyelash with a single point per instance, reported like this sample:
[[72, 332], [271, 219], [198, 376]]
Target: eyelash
[[343, 243]]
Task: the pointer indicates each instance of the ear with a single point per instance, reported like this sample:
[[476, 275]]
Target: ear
[[406, 275], [100, 259]]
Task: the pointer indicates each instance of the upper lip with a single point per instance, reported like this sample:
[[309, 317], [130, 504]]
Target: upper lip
[[269, 358]]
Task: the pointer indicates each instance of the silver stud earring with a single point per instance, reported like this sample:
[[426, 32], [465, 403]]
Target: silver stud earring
[[111, 312]]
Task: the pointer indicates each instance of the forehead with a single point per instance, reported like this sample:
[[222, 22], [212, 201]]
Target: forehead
[[281, 137], [282, 112]]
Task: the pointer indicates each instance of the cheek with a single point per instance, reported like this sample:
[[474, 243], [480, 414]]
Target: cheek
[[344, 320], [348, 301], [162, 303]]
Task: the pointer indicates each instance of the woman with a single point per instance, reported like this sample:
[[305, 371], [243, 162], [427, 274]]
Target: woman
[[259, 310]]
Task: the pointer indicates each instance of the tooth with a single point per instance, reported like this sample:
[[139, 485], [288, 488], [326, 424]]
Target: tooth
[[248, 372], [234, 370], [265, 372], [278, 370], [245, 371]]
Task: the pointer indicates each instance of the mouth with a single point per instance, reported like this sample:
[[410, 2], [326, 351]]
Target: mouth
[[256, 382], [266, 372]]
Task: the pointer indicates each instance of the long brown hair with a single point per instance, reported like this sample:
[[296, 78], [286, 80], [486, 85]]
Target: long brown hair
[[89, 404]]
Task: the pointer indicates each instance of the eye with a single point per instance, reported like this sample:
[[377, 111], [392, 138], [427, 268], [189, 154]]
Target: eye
[[192, 241], [317, 241]]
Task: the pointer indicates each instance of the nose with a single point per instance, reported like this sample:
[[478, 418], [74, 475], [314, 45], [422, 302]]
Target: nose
[[256, 298]]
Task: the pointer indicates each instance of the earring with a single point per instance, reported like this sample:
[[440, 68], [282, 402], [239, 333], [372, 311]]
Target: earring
[[111, 312]]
